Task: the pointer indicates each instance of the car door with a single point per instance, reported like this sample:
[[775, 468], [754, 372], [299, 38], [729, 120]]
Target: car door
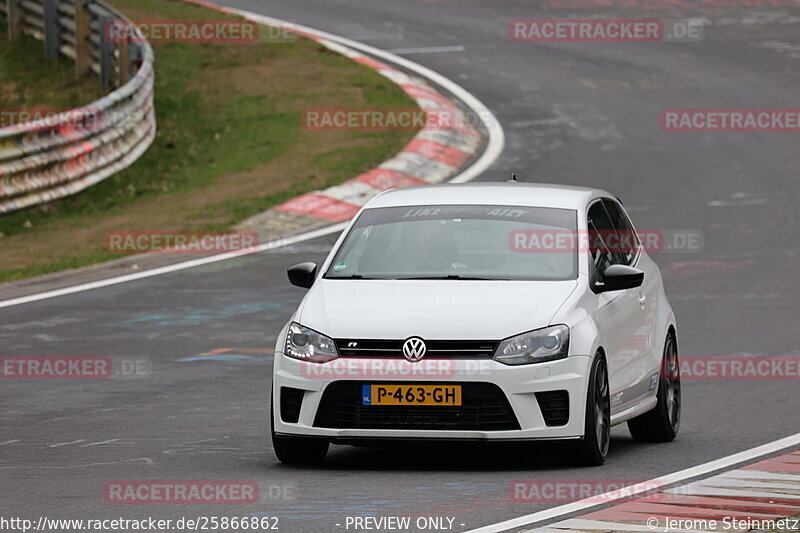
[[642, 344], [618, 314]]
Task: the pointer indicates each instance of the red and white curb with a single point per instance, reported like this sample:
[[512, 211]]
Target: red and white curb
[[437, 153], [683, 478], [739, 500]]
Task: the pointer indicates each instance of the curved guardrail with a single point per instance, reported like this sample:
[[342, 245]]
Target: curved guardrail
[[60, 155]]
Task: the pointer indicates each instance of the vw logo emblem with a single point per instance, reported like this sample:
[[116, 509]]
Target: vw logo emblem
[[414, 349]]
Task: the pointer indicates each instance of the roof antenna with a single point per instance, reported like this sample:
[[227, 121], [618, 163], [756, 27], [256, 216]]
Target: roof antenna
[[513, 178]]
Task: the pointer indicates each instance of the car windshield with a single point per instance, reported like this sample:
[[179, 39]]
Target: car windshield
[[456, 242]]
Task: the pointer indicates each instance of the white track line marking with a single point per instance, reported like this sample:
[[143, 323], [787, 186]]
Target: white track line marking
[[146, 460], [173, 268], [737, 203], [490, 154], [99, 443], [428, 50], [669, 479], [597, 525], [66, 443]]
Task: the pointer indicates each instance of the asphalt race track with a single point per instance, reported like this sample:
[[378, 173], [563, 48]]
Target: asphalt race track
[[575, 113]]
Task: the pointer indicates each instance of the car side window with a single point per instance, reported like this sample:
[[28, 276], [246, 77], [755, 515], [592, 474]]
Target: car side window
[[600, 227], [628, 242]]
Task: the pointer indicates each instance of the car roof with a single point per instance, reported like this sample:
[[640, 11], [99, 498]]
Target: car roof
[[490, 193]]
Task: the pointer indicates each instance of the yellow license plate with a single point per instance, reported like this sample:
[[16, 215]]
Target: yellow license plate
[[411, 395]]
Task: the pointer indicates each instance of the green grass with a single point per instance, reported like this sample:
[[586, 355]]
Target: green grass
[[227, 114], [23, 66]]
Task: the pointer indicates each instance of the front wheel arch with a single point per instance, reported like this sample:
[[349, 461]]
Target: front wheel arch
[[592, 448]]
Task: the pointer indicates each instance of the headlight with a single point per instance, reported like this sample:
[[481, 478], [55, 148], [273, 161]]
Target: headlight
[[308, 345], [546, 344]]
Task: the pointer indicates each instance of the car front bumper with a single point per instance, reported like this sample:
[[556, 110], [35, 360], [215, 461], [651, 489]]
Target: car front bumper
[[519, 384]]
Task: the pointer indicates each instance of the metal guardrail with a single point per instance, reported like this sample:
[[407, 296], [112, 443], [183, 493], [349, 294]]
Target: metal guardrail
[[61, 155]]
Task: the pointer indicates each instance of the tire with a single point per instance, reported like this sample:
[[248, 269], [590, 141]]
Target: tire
[[297, 450], [661, 424], [592, 449]]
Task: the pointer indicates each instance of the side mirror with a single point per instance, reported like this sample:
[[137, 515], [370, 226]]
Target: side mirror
[[619, 277], [303, 275]]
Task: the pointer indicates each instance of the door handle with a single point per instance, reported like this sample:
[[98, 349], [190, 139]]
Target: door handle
[[642, 300]]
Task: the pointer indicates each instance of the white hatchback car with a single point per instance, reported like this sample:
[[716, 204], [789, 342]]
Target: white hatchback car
[[485, 311]]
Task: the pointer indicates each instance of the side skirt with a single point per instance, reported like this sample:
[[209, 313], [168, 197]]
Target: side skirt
[[635, 410]]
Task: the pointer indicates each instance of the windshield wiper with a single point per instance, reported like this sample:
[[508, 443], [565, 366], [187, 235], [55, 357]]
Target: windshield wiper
[[448, 276], [354, 276], [458, 277]]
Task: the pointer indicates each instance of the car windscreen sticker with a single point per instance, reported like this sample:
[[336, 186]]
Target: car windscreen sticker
[[546, 216], [464, 211]]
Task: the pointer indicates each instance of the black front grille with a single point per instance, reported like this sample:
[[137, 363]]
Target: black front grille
[[555, 407], [485, 408], [394, 348], [291, 402]]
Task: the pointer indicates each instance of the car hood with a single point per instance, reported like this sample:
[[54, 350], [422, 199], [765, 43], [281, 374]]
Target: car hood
[[431, 309]]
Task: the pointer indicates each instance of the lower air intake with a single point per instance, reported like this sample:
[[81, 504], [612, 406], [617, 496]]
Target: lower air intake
[[484, 408]]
